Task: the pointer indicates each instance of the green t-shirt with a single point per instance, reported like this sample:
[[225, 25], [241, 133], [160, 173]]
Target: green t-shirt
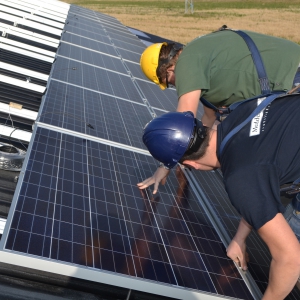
[[221, 66]]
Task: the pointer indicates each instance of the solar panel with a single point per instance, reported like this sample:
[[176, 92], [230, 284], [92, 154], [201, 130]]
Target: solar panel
[[73, 26], [71, 107], [131, 39], [96, 79], [88, 43], [129, 55], [79, 204], [131, 47], [135, 70], [93, 58]]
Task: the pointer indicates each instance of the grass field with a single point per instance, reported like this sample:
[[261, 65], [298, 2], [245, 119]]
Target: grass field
[[168, 19]]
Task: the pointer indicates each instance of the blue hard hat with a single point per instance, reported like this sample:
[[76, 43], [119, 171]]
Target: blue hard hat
[[168, 137]]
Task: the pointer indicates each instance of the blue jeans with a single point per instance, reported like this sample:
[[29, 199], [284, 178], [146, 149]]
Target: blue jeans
[[296, 80], [292, 215]]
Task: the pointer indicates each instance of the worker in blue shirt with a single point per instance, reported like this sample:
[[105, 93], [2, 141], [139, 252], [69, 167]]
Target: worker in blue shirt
[[263, 155]]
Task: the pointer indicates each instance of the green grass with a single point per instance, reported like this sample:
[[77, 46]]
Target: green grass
[[198, 5]]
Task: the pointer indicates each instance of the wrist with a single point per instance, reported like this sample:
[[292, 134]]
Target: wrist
[[161, 165], [240, 239]]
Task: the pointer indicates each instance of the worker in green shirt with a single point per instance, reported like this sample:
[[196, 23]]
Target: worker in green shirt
[[218, 67]]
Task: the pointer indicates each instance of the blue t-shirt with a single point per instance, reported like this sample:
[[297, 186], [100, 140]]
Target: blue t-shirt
[[261, 157]]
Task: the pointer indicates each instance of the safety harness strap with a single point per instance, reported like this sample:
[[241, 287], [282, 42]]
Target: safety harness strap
[[256, 111], [260, 68], [259, 65]]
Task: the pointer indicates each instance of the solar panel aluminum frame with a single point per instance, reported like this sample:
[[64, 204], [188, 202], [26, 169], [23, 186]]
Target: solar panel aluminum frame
[[105, 277], [31, 262]]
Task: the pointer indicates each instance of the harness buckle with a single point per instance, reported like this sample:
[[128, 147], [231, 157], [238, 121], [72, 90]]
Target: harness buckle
[[294, 188], [222, 113]]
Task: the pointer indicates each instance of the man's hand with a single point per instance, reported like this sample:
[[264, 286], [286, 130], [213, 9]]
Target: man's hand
[[160, 176], [237, 252], [237, 248]]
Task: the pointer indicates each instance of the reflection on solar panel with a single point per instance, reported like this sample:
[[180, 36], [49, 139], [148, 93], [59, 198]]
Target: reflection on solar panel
[[77, 210], [80, 203]]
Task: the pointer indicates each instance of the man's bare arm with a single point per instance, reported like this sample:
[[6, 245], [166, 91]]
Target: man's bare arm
[[209, 117], [189, 102], [285, 251]]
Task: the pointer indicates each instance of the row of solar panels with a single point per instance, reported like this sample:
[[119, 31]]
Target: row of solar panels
[[30, 34], [76, 210]]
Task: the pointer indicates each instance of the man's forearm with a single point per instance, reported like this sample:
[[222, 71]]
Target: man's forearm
[[243, 231], [236, 250], [285, 251]]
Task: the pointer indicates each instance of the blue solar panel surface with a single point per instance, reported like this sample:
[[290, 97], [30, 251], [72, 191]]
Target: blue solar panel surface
[[130, 55], [89, 43], [79, 203], [95, 78], [94, 58], [117, 120]]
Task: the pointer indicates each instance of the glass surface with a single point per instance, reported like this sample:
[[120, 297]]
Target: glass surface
[[79, 203], [95, 78], [113, 119]]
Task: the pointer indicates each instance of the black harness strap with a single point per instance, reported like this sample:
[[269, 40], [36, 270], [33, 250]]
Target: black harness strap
[[260, 68]]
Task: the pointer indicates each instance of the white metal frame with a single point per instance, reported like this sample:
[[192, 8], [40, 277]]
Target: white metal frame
[[26, 53], [23, 113], [24, 71], [16, 20], [23, 84], [29, 35], [15, 133]]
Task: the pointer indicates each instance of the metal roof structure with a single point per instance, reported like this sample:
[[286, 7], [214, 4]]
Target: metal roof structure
[[73, 104]]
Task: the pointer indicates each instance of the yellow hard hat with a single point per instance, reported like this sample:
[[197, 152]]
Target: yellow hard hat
[[149, 63]]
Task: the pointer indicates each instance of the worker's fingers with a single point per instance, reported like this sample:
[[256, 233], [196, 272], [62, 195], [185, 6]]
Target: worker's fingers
[[155, 187], [237, 252], [144, 184], [160, 176], [247, 257], [163, 181], [241, 262]]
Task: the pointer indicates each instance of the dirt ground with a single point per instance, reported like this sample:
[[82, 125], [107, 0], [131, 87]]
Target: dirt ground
[[174, 24]]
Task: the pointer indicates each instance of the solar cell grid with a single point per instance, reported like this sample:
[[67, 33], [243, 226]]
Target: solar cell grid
[[89, 32], [109, 24], [118, 30], [132, 40], [94, 78], [95, 14], [85, 29], [116, 120], [129, 55], [88, 43], [157, 98], [77, 203], [91, 57], [98, 21], [135, 70], [128, 46]]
